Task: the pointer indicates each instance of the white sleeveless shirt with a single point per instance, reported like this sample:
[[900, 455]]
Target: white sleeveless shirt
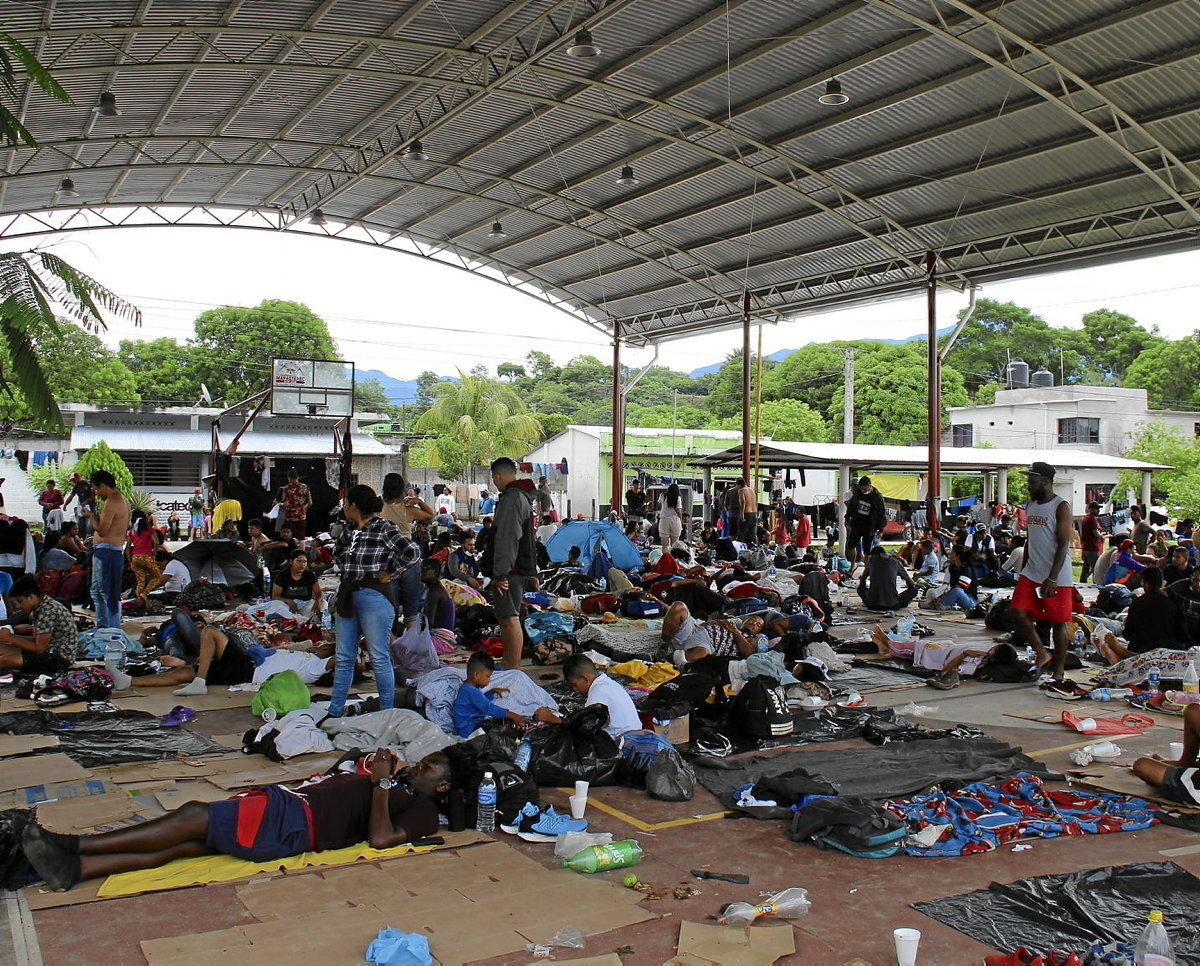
[[1041, 526]]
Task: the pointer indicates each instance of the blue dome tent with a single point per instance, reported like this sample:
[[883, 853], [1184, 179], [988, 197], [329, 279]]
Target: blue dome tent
[[587, 535]]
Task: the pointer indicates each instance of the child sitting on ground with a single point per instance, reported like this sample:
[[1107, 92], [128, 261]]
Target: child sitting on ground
[[599, 688], [472, 705]]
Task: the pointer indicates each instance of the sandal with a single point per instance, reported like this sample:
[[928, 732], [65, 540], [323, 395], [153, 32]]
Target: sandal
[[176, 716]]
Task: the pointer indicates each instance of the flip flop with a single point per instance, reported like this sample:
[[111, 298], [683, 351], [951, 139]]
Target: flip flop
[[176, 716]]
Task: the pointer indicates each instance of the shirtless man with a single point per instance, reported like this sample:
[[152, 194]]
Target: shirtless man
[[108, 547]]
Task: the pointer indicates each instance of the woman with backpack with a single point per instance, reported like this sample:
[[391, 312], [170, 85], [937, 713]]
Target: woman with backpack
[[670, 517], [144, 543]]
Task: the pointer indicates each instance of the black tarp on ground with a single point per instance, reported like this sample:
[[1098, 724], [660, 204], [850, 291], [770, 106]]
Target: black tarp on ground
[[1068, 912], [893, 770], [94, 738], [874, 675]]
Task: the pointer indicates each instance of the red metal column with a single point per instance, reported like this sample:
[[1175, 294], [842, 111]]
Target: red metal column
[[746, 393], [618, 426], [934, 489]]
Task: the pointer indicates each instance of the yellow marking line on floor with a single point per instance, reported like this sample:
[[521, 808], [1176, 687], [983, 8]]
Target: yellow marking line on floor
[[641, 826], [1079, 744]]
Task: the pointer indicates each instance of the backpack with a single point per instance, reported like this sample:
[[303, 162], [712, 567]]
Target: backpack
[[999, 617], [599, 603], [513, 789], [816, 586], [202, 595], [641, 607], [543, 625], [1113, 599], [73, 585], [284, 691], [749, 605], [48, 581], [680, 695], [552, 650], [856, 826], [761, 710]]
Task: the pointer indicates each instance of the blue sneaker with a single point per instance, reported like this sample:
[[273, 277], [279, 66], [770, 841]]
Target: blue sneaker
[[551, 824], [527, 815]]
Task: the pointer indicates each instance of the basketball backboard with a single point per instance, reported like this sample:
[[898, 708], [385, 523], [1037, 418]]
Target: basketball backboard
[[312, 387]]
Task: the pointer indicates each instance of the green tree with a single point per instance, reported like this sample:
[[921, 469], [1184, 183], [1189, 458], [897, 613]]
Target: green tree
[[508, 371], [1116, 340], [1168, 446], [238, 343], [552, 423], [79, 368], [1169, 372], [787, 419], [164, 370], [425, 384], [538, 364], [1000, 330], [371, 397], [686, 417], [477, 419], [811, 374], [725, 393]]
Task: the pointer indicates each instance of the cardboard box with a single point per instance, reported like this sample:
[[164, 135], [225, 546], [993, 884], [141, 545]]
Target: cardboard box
[[678, 731]]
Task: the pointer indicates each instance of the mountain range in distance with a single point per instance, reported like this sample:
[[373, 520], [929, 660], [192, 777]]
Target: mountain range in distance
[[401, 392]]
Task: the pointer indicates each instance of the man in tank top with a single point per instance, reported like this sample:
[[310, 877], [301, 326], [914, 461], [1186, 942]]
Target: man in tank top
[[1044, 587]]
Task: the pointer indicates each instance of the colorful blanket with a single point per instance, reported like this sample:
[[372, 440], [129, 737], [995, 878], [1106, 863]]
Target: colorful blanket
[[981, 817]]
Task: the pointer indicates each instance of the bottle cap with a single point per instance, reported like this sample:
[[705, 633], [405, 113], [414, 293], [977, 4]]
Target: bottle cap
[[1155, 915]]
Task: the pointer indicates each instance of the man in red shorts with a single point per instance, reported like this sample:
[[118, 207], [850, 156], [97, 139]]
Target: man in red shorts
[[389, 807], [1044, 588]]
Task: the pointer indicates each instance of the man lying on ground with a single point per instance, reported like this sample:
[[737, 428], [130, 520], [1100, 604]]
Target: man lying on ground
[[48, 644], [692, 640], [392, 806], [1177, 780]]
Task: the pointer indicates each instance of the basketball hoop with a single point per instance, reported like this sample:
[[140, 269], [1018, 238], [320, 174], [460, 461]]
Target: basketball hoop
[[312, 387]]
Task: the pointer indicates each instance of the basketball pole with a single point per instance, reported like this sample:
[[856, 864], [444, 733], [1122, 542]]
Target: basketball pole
[[262, 399]]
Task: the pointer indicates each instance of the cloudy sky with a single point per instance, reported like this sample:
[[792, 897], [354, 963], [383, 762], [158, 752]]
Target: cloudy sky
[[403, 315]]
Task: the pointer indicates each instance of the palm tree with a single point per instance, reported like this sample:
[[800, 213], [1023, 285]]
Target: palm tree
[[33, 283], [475, 419]]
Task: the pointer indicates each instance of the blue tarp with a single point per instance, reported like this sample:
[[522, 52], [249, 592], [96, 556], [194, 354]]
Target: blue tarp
[[586, 535]]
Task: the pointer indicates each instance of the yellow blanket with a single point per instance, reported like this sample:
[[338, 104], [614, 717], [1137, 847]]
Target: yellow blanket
[[646, 675], [225, 868]]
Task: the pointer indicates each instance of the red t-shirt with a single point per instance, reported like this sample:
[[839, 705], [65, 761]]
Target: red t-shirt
[[1090, 540], [142, 544]]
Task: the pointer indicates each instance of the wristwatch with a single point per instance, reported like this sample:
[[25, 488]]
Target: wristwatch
[[386, 783]]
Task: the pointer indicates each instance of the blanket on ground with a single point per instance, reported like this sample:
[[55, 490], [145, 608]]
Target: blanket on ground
[[412, 736], [1135, 669], [439, 687]]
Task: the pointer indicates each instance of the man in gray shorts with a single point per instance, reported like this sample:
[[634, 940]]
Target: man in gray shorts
[[513, 555], [691, 640], [1177, 780]]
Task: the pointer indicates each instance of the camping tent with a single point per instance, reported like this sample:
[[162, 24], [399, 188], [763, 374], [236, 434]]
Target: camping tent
[[587, 535]]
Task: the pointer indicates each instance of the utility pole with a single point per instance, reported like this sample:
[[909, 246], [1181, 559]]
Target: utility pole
[[847, 437]]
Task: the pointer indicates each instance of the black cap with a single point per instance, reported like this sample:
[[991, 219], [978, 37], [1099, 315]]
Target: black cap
[[864, 481], [1041, 469]]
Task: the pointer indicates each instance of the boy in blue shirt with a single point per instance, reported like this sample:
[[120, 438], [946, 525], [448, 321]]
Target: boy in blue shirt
[[472, 705]]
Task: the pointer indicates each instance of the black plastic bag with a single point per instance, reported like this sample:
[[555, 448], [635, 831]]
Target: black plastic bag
[[579, 749], [670, 778], [15, 871]]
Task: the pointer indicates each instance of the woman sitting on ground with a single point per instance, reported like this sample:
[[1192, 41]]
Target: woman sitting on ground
[[964, 588], [440, 609], [1150, 623], [297, 587]]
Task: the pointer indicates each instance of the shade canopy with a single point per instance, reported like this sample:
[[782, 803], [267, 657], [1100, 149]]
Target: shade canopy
[[692, 158]]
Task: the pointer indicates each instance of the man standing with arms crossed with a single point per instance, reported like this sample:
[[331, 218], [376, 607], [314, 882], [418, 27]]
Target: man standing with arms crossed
[[1044, 587], [108, 547], [513, 555]]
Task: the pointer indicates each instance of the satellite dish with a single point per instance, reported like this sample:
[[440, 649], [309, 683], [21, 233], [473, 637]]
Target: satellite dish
[[205, 394]]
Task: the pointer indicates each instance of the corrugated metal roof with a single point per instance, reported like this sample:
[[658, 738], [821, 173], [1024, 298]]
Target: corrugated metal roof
[[200, 441], [973, 126]]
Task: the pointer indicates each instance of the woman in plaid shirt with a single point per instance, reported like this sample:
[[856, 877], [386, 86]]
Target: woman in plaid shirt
[[371, 557]]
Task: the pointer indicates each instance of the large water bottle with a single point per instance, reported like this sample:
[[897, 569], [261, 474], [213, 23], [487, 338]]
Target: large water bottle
[[326, 623], [1154, 679], [114, 653], [485, 804], [1154, 945], [266, 577]]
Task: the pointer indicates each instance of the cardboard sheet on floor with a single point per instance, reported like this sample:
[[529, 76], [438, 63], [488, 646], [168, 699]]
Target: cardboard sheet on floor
[[160, 700], [183, 792], [52, 791], [87, 812], [20, 744], [703, 944], [39, 770], [434, 897], [210, 765], [1123, 782], [1069, 911]]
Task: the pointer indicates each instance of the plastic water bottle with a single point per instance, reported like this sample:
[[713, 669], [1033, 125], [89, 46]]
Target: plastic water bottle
[[1100, 694], [1080, 638], [524, 754], [485, 804], [1154, 945], [1029, 655], [1191, 678], [599, 858], [1154, 679], [763, 644], [326, 622], [771, 571], [114, 653], [788, 904]]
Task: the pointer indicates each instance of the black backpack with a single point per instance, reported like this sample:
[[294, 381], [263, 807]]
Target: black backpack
[[853, 825], [760, 709], [999, 617], [679, 696]]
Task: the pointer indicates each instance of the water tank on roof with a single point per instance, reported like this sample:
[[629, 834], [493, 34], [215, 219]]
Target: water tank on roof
[[1042, 379], [1018, 373]]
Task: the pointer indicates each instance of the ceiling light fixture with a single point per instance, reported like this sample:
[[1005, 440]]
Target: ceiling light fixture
[[415, 151], [318, 218], [497, 231], [66, 189], [627, 177], [106, 106], [833, 93], [583, 45]]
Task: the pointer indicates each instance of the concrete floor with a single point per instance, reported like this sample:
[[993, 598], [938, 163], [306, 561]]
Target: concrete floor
[[856, 902]]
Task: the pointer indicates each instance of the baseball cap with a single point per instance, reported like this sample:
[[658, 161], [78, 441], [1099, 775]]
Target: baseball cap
[[1041, 469], [1125, 544]]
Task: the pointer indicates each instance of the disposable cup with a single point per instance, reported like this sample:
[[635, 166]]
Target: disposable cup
[[907, 941], [1176, 750], [581, 789], [578, 806], [1087, 724]]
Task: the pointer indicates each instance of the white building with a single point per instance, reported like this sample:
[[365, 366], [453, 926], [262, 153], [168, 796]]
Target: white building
[[1097, 419]]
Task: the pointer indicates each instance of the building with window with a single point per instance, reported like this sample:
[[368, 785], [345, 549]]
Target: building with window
[[1100, 419]]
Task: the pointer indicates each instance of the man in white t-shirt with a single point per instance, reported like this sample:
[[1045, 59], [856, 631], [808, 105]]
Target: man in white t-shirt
[[179, 576], [599, 688]]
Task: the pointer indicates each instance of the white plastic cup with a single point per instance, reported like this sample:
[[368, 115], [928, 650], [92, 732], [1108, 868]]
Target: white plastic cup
[[578, 806], [907, 941], [1087, 724], [581, 790], [1176, 750]]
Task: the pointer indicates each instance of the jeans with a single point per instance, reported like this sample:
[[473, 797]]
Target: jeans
[[373, 618], [108, 566], [412, 592], [956, 596]]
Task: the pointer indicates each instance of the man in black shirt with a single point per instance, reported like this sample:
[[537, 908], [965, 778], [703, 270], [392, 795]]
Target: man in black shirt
[[1186, 595], [866, 515], [391, 807], [1179, 566], [635, 501]]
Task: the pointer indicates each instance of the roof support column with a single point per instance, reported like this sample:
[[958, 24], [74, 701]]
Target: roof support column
[[843, 489], [1002, 485], [618, 427], [746, 474], [935, 393], [1146, 494]]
